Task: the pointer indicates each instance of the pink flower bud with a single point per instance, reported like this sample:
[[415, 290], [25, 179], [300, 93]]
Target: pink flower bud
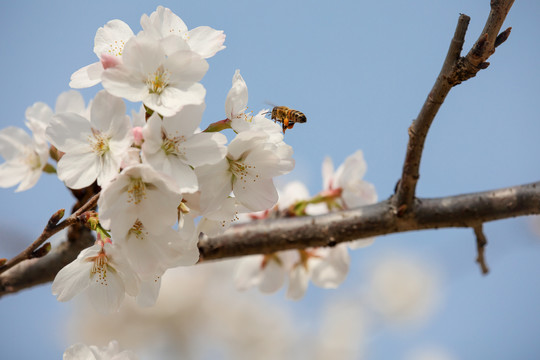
[[138, 135]]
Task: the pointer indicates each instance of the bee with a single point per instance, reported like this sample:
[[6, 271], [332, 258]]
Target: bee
[[287, 117]]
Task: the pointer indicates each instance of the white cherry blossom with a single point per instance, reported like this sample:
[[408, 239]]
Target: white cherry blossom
[[93, 148], [139, 193], [163, 81], [103, 272], [326, 267], [150, 254], [237, 98], [251, 163], [109, 45], [24, 158], [347, 181], [81, 351], [163, 23], [236, 107], [171, 146], [217, 221], [267, 272], [348, 178], [39, 115]]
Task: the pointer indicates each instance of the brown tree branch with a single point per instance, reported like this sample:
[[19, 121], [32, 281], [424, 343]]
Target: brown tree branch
[[267, 236], [455, 70]]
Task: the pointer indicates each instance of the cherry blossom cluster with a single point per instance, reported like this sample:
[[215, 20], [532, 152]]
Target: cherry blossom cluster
[[110, 352], [163, 180], [326, 267]]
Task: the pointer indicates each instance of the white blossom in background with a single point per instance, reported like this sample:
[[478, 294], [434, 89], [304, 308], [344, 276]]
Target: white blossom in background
[[251, 163], [103, 272], [267, 272], [348, 179], [243, 326], [163, 23], [403, 290], [24, 158], [109, 45], [172, 147], [430, 352], [343, 331], [93, 148], [139, 193], [352, 191], [326, 267], [163, 81], [110, 352]]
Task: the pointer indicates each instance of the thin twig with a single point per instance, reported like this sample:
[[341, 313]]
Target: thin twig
[[419, 128], [455, 70], [481, 242], [52, 227]]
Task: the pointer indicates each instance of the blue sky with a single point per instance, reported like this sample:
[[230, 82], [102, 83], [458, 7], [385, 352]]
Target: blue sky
[[360, 71]]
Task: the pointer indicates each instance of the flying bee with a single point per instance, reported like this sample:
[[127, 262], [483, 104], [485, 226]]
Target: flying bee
[[287, 117]]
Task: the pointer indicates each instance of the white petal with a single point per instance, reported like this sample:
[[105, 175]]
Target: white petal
[[87, 76], [298, 283], [255, 194], [237, 98], [78, 170], [354, 167], [292, 192], [70, 101], [205, 148], [29, 180], [11, 173], [186, 66], [69, 132], [331, 271], [248, 272], [184, 176], [13, 141], [163, 22], [79, 352], [206, 41], [149, 292], [146, 253], [106, 292], [215, 184], [358, 193], [186, 121], [265, 163], [107, 113], [121, 82], [327, 173], [245, 142], [361, 243], [111, 38], [110, 166], [39, 116], [72, 279], [273, 277]]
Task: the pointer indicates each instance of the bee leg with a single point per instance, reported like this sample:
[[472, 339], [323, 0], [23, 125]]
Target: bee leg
[[285, 124]]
